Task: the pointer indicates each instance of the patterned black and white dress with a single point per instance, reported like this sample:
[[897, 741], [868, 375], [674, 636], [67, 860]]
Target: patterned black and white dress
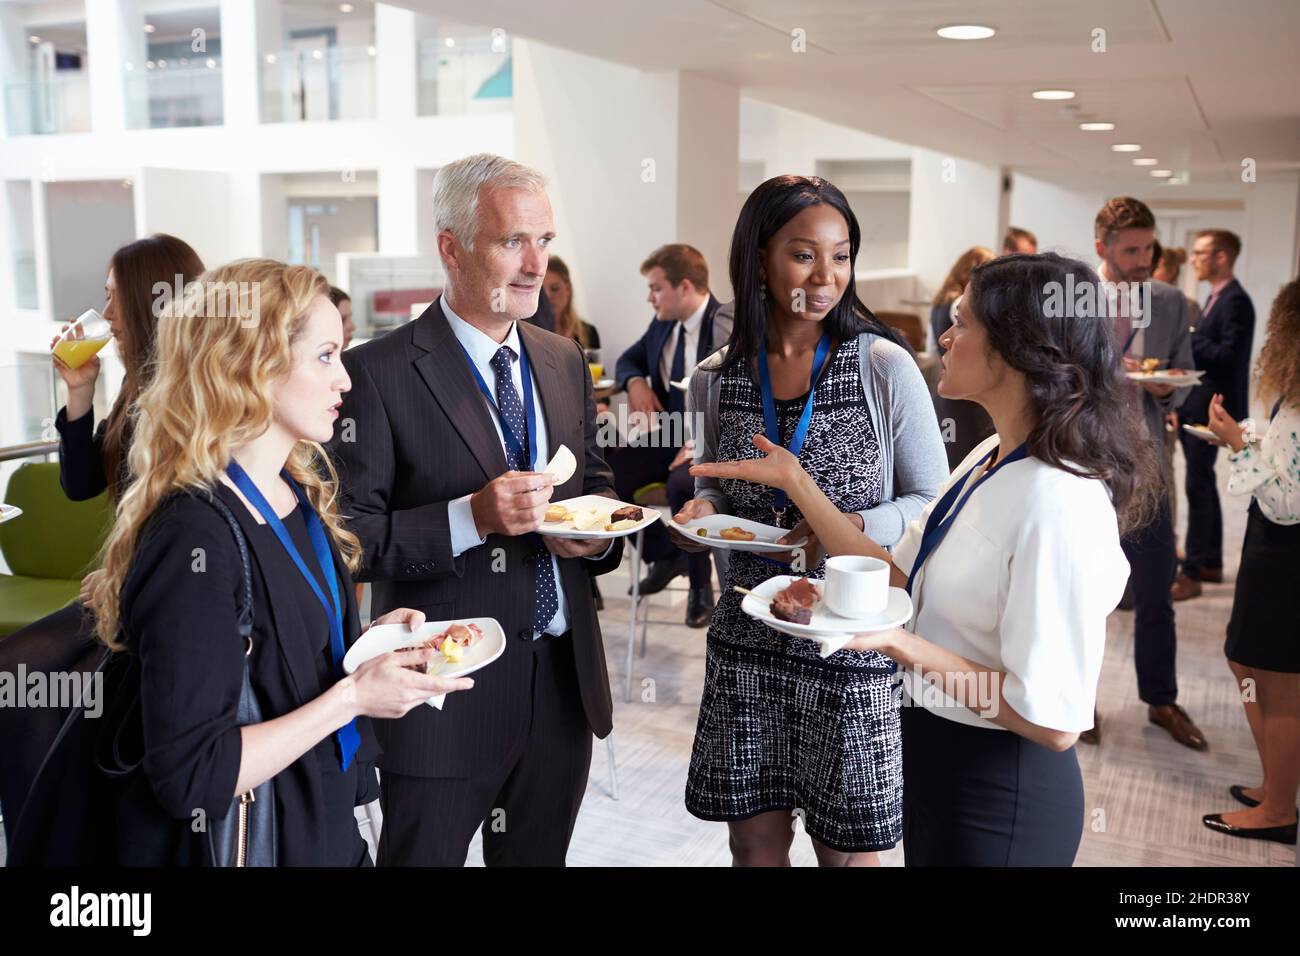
[[780, 728]]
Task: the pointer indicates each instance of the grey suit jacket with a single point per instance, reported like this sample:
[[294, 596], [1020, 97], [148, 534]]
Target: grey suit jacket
[[1168, 338], [422, 436]]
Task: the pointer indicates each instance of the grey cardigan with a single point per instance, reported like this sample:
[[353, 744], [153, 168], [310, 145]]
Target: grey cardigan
[[913, 461]]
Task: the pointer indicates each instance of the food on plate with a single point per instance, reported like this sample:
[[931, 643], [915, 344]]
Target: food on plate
[[737, 534], [1176, 371], [702, 532], [557, 513], [562, 465], [1150, 364], [795, 602], [628, 513], [453, 643], [625, 524], [586, 520]]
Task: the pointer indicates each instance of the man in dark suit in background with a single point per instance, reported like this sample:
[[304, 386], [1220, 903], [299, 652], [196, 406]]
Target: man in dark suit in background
[[689, 325], [1125, 232], [441, 440], [1221, 343]]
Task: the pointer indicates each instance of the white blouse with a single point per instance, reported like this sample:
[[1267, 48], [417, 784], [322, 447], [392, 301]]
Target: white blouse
[[1022, 583], [1270, 468]]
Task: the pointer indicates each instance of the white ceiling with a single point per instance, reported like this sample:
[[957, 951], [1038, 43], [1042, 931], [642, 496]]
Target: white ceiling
[[1200, 84]]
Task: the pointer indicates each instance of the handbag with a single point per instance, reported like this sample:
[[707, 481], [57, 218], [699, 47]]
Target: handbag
[[246, 835]]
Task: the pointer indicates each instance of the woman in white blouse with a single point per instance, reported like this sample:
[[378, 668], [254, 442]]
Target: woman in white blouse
[[1013, 569], [1263, 645]]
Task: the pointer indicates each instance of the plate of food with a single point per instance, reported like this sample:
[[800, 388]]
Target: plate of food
[[603, 383], [467, 645], [729, 533], [796, 605], [9, 512], [595, 516], [1201, 431], [1150, 371]]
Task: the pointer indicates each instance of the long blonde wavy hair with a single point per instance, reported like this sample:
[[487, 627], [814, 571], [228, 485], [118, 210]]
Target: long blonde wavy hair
[[219, 352]]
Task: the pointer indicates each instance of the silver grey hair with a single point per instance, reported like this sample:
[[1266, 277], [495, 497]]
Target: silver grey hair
[[456, 190]]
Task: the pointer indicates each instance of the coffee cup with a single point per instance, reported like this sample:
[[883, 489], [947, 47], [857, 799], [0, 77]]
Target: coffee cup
[[856, 586]]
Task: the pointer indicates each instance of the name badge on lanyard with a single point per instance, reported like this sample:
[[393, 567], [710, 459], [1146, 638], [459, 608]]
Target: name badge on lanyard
[[780, 500]]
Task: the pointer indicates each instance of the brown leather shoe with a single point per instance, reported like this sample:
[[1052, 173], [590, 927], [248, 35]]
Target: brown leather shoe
[[1093, 734], [1175, 720], [1212, 575], [1185, 587]]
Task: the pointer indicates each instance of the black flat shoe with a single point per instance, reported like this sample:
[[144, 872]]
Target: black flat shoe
[[1283, 834], [699, 607], [1238, 793], [660, 576]]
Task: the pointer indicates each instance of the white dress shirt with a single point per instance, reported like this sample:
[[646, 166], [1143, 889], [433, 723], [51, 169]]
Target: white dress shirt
[[460, 515], [1022, 583], [691, 329]]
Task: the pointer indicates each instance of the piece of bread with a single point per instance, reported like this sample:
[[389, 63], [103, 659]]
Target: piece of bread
[[625, 524], [557, 513], [737, 534]]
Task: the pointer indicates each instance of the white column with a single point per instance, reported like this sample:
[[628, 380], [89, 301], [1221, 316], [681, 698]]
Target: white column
[[41, 248], [250, 30], [708, 171], [13, 57], [954, 205], [398, 207], [395, 64], [114, 37]]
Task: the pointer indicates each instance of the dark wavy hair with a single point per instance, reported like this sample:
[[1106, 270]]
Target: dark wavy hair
[[1088, 423], [768, 208]]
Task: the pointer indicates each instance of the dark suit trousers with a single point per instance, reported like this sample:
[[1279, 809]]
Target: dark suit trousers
[[526, 807], [1152, 563], [1204, 544]]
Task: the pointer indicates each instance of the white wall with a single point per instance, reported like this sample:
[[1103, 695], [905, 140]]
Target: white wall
[[86, 223], [1061, 216], [954, 206], [191, 205], [609, 139]]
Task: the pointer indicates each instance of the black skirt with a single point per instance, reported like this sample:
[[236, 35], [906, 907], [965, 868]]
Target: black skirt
[[979, 797], [1264, 630]]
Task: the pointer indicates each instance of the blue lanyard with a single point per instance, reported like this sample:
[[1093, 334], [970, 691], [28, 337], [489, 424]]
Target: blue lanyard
[[780, 501], [1127, 342], [530, 411], [349, 737], [940, 520]]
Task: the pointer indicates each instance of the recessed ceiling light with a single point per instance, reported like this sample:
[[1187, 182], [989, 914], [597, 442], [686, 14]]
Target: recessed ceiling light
[[1162, 173], [1127, 148], [1053, 94], [965, 31], [33, 39], [149, 28], [1096, 127], [345, 8], [450, 41], [1145, 161]]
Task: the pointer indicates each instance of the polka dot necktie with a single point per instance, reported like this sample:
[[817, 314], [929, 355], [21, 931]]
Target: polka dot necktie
[[546, 600]]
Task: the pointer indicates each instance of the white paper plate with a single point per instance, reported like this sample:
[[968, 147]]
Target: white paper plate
[[1186, 380], [9, 512], [766, 540], [604, 505], [1201, 431], [897, 612], [604, 383], [383, 638]]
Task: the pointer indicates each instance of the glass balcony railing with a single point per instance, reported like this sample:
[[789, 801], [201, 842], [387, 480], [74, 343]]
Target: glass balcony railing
[[473, 76], [318, 84], [175, 94], [57, 105]]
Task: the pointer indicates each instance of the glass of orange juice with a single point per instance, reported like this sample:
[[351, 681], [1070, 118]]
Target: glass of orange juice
[[81, 340]]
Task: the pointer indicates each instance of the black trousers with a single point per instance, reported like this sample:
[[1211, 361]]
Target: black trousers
[[526, 807], [979, 797], [1153, 563], [1204, 544], [637, 466]]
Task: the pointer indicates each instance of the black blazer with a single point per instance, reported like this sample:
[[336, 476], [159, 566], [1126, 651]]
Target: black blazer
[[642, 356], [422, 436], [81, 455], [179, 615], [1221, 344]]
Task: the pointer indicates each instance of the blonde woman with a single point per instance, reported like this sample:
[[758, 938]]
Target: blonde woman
[[964, 424], [246, 389]]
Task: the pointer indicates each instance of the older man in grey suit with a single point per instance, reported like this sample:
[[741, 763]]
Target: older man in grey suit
[[1153, 324]]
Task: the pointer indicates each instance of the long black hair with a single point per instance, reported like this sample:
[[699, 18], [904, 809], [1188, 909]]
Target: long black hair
[[768, 208], [1088, 423]]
